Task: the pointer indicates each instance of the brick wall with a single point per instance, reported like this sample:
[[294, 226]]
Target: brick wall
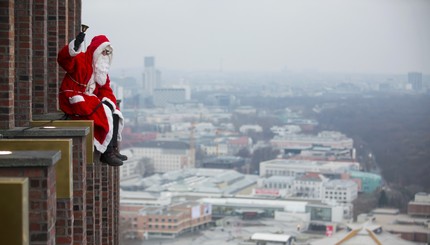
[[93, 203], [23, 61], [42, 201], [7, 64], [419, 209], [65, 220], [52, 43], [40, 57], [73, 24], [79, 191], [106, 206], [63, 27], [98, 200], [115, 191], [31, 33]]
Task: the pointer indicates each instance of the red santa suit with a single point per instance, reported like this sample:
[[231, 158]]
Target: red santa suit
[[86, 85]]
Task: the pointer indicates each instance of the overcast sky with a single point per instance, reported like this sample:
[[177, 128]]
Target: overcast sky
[[370, 36]]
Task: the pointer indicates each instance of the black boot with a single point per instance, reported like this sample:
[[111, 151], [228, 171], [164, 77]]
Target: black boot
[[115, 138], [110, 158], [119, 155]]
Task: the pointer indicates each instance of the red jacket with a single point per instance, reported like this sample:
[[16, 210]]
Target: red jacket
[[80, 96]]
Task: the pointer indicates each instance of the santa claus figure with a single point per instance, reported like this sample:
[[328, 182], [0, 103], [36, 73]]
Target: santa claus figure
[[85, 93]]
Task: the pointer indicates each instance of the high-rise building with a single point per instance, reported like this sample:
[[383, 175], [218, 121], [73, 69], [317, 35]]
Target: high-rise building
[[151, 76], [415, 79]]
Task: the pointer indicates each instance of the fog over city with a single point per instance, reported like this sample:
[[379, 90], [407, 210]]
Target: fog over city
[[280, 121], [366, 36], [215, 122]]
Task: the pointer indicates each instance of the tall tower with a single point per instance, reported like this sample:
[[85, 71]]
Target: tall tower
[[151, 76], [415, 79]]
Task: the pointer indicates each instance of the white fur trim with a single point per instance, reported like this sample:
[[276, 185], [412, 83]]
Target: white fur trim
[[99, 51], [110, 102], [72, 52], [76, 99], [101, 146]]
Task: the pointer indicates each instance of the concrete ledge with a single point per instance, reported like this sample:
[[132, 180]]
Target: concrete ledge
[[64, 167], [50, 116], [45, 131], [73, 124], [29, 158]]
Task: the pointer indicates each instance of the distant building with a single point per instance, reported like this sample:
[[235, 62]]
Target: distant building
[[286, 129], [309, 186], [344, 191], [415, 79], [367, 233], [165, 96], [224, 162], [319, 153], [264, 207], [270, 238], [175, 220], [195, 182], [166, 222], [277, 183], [134, 166], [215, 148], [420, 206], [407, 226], [223, 100], [247, 110], [119, 92], [369, 181], [294, 168], [322, 214], [245, 129], [151, 76], [166, 155], [234, 145], [334, 140], [306, 125]]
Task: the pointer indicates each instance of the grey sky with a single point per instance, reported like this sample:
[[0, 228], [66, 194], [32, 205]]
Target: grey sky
[[376, 36]]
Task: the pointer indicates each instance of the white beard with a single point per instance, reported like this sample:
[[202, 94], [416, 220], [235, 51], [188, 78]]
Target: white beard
[[101, 69]]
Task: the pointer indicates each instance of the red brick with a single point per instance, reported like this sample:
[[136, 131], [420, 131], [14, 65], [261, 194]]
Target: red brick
[[64, 240], [34, 172]]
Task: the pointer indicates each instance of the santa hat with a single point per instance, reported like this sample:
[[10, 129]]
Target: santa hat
[[97, 45]]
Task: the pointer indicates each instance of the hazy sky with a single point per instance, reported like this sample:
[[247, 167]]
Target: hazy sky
[[376, 36]]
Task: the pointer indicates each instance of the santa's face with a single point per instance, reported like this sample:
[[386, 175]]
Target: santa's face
[[101, 69]]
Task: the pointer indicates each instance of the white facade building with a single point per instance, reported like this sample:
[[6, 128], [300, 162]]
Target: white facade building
[[217, 149], [309, 186], [276, 182], [132, 167], [275, 186], [166, 155], [335, 140], [129, 169], [244, 129], [290, 167], [340, 190], [286, 129]]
